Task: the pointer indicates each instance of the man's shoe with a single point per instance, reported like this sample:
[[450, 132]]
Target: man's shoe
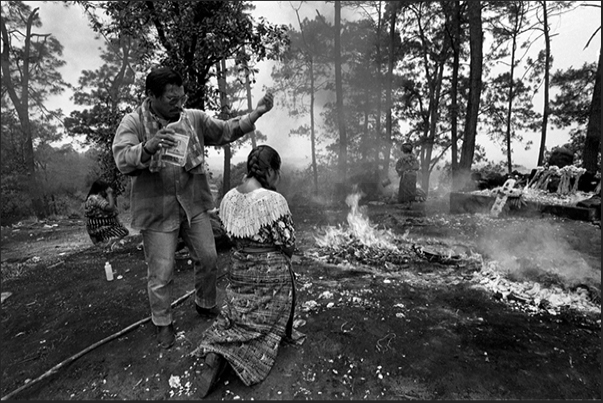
[[166, 336], [213, 368], [210, 312]]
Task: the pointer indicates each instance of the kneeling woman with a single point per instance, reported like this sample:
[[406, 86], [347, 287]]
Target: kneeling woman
[[260, 297], [102, 222]]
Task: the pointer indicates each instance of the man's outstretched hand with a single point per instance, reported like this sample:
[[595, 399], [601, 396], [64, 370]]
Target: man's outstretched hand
[[265, 104]]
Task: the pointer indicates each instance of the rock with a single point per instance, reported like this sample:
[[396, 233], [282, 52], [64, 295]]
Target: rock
[[5, 295], [561, 156], [593, 202]]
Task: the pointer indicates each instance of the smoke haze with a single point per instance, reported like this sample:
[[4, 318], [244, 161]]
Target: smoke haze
[[538, 250]]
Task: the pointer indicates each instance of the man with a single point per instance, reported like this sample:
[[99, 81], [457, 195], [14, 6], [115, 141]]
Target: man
[[170, 191]]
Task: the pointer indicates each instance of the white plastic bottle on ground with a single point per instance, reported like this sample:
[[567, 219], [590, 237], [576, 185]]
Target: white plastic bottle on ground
[[108, 271]]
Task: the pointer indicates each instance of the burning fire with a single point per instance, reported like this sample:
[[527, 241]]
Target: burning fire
[[359, 229], [361, 243]]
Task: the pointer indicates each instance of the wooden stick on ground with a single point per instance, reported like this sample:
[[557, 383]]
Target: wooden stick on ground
[[88, 349]]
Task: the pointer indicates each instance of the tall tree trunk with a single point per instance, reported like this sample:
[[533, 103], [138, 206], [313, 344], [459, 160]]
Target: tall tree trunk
[[249, 101], [592, 143], [547, 67], [511, 93], [378, 138], [343, 141], [474, 10], [454, 108], [312, 133], [433, 121], [312, 99], [226, 171], [387, 143], [510, 106], [435, 89], [224, 115]]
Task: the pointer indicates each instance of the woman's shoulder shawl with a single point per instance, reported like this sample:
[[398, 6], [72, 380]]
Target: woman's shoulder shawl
[[243, 214]]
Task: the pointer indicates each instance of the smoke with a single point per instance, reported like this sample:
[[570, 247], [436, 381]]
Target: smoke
[[538, 252]]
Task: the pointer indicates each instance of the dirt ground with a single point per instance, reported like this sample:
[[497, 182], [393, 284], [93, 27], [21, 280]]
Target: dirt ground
[[415, 329]]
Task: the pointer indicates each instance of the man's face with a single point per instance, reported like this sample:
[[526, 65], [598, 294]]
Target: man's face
[[169, 105]]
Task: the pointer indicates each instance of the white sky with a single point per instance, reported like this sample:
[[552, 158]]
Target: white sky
[[81, 52]]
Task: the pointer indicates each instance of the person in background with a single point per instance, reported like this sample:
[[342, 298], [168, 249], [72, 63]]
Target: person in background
[[171, 195], [102, 222], [407, 167], [260, 296]]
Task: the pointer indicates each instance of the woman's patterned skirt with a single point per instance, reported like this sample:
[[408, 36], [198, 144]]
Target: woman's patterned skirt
[[256, 316], [105, 229]]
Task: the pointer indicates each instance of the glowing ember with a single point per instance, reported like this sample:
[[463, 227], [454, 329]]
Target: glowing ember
[[360, 229], [533, 296]]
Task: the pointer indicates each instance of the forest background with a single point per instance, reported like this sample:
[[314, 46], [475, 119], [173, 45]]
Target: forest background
[[357, 79]]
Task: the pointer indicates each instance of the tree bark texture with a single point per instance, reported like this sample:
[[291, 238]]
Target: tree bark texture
[[592, 143], [547, 74], [343, 141], [474, 9]]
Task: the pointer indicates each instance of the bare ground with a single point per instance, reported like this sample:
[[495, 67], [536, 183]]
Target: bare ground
[[414, 330]]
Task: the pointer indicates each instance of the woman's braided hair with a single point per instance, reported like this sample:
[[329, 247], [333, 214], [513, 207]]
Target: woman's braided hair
[[259, 160]]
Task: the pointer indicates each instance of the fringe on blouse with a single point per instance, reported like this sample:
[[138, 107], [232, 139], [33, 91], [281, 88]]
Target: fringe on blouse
[[243, 214]]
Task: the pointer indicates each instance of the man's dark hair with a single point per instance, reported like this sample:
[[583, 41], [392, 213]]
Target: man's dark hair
[[159, 78], [406, 147]]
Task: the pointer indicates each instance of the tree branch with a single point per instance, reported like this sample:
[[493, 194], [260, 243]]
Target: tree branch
[[157, 23]]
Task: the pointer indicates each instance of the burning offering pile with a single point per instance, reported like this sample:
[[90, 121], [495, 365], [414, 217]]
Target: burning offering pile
[[361, 241], [354, 250]]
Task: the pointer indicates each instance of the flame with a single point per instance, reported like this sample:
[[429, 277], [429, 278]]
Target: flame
[[359, 228]]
